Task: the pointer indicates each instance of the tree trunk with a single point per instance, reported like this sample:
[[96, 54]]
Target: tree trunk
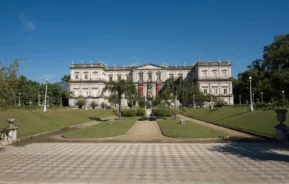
[[175, 107], [119, 107]]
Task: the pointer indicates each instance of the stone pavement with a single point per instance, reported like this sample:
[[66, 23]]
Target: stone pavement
[[145, 163]]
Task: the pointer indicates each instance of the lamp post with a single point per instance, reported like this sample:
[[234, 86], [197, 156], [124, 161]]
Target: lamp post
[[19, 103], [251, 103], [240, 102], [45, 108], [262, 96], [211, 103], [47, 101]]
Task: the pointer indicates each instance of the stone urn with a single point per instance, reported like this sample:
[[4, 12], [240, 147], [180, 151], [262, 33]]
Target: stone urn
[[11, 123], [281, 115]]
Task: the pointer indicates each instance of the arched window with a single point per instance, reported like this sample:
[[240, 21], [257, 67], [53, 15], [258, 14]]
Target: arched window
[[205, 73], [140, 76], [149, 76], [158, 75]]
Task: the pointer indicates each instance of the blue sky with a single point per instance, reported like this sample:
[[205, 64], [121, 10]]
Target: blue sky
[[52, 33]]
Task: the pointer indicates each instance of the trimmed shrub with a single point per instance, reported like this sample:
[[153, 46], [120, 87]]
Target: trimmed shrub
[[220, 103], [93, 104], [80, 102], [103, 105], [128, 112], [163, 112], [140, 112]]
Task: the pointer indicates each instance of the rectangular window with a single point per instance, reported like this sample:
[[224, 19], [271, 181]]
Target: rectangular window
[[225, 91], [141, 77], [110, 78], [215, 91], [85, 76], [181, 75], [119, 78], [128, 78], [205, 91], [76, 77], [171, 75]]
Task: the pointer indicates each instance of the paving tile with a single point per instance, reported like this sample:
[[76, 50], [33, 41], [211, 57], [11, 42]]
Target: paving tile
[[145, 163]]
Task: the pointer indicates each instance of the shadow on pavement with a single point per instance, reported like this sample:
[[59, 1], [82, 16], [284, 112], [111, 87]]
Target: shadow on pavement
[[270, 151]]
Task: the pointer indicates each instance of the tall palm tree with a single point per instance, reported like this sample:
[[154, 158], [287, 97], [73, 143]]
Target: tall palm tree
[[131, 93], [174, 87], [119, 88]]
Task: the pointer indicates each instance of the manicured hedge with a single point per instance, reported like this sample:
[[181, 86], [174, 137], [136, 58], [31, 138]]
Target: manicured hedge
[[132, 112], [163, 112], [140, 112]]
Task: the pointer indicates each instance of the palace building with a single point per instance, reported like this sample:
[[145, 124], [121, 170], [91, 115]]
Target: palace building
[[88, 80]]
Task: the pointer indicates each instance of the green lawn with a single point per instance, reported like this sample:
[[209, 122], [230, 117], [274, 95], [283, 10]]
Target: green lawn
[[119, 127], [30, 123], [261, 122], [172, 128], [258, 121], [213, 115]]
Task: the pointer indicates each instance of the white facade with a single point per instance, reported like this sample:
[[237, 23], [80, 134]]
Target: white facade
[[88, 80]]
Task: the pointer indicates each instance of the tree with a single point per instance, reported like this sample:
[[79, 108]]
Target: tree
[[174, 87], [276, 54], [93, 104], [142, 102], [117, 87], [80, 102], [131, 94], [9, 82], [65, 78], [270, 75]]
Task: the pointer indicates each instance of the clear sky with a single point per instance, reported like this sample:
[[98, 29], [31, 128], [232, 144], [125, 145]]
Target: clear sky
[[52, 33]]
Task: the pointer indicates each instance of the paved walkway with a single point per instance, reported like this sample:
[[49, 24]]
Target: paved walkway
[[144, 131], [145, 163]]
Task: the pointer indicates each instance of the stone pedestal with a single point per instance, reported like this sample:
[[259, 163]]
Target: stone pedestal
[[282, 130]]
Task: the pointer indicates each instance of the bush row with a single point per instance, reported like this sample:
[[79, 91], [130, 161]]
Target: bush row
[[163, 112], [132, 112]]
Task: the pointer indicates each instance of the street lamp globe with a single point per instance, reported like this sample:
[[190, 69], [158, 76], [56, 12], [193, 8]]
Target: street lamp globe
[[250, 78]]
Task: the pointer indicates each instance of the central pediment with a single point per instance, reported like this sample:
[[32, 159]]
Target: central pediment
[[149, 66]]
